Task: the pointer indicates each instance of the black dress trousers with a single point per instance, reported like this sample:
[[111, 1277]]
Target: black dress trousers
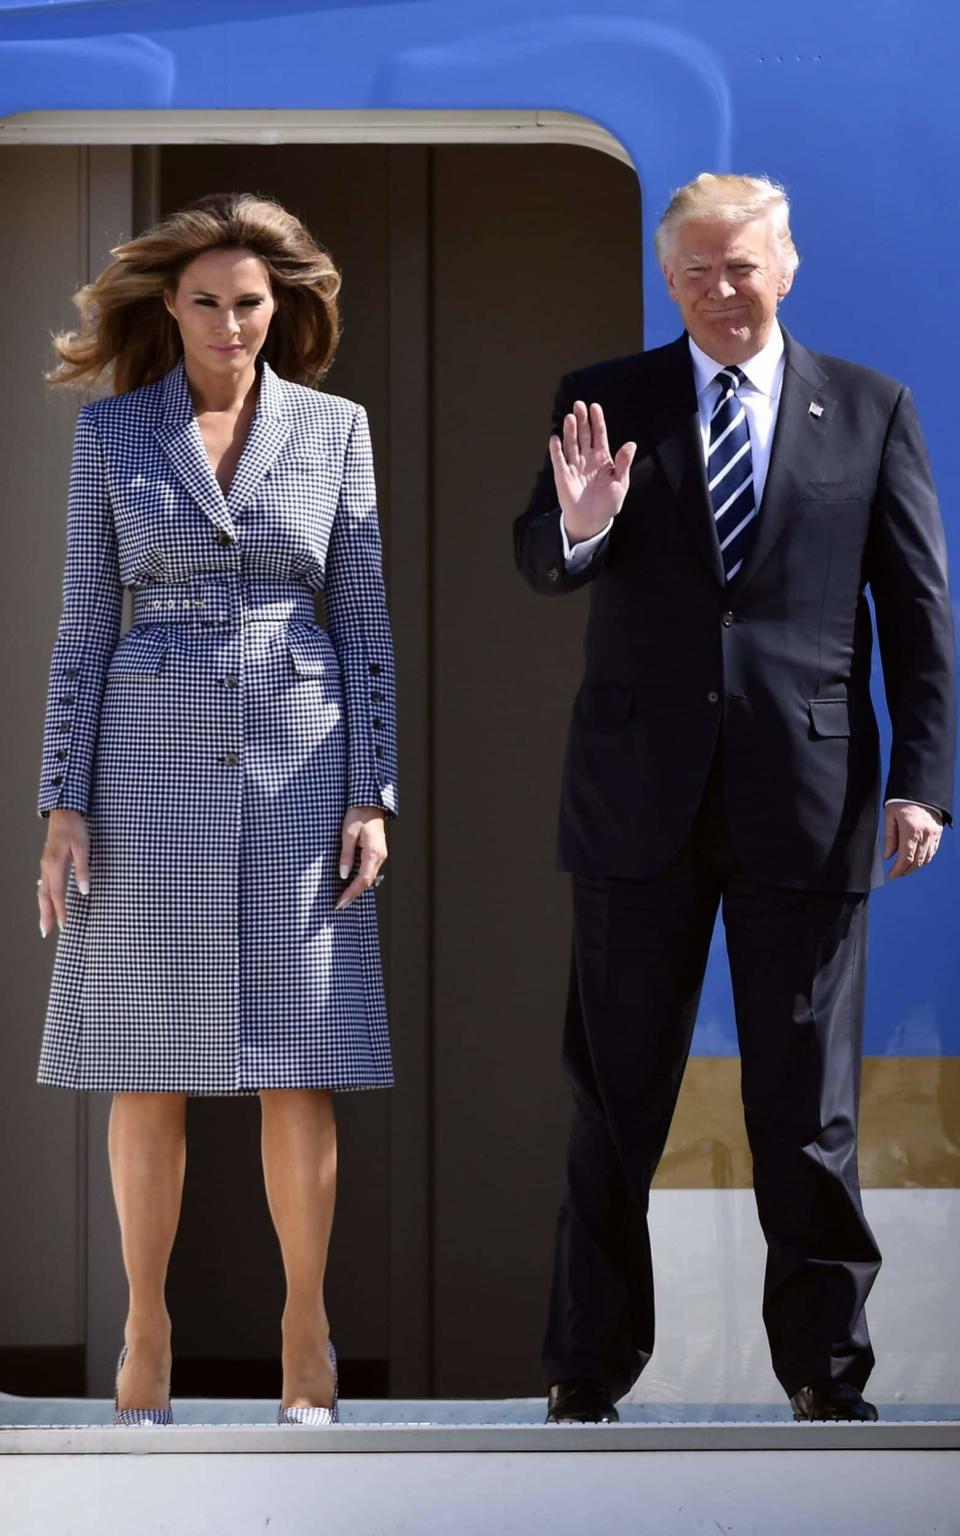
[[797, 962]]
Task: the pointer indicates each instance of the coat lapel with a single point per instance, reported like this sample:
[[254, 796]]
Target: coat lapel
[[180, 438], [678, 444], [798, 439]]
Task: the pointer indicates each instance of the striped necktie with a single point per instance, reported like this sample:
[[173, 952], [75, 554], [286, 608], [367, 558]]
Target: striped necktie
[[730, 472]]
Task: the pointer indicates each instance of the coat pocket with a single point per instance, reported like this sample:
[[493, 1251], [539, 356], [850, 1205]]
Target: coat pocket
[[311, 652], [140, 653], [303, 464], [829, 717]]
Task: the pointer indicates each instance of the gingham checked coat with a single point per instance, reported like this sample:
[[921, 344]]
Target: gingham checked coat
[[214, 747]]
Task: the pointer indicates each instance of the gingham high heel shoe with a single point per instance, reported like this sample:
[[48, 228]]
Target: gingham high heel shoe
[[313, 1415], [136, 1415]]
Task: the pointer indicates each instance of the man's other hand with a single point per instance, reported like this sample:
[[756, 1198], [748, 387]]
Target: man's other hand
[[912, 832]]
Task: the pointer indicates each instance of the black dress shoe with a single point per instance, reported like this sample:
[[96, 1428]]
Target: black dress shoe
[[832, 1400], [580, 1402]]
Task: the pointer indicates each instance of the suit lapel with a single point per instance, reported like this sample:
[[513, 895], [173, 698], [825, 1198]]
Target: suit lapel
[[180, 438], [798, 439], [677, 441]]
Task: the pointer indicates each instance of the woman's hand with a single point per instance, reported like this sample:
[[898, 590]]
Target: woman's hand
[[591, 484], [67, 842], [363, 830]]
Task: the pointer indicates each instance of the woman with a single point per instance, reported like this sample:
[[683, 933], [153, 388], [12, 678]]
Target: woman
[[217, 779]]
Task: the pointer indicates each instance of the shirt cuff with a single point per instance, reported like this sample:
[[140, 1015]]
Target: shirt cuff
[[576, 556], [902, 800]]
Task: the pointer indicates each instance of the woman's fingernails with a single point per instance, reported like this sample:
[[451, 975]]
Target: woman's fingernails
[[43, 928], [344, 871], [59, 924], [83, 886]]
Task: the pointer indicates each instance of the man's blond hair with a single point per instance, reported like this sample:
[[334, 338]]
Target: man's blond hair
[[730, 200]]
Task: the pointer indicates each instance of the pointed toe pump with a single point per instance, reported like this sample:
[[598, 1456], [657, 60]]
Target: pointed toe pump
[[312, 1415], [136, 1415]]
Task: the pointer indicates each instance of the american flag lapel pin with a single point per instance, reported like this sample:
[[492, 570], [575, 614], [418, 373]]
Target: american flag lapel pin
[[814, 409]]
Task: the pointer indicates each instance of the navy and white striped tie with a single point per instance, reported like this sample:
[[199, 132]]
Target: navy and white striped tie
[[730, 472]]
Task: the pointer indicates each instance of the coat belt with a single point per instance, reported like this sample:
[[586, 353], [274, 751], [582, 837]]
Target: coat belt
[[219, 600]]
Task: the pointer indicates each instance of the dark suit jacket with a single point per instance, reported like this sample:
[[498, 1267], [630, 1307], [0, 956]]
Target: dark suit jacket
[[774, 666]]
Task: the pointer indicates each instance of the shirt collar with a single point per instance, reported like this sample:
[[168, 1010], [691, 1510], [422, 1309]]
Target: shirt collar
[[761, 370]]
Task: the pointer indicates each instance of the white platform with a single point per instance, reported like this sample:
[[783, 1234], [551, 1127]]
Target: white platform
[[474, 1469]]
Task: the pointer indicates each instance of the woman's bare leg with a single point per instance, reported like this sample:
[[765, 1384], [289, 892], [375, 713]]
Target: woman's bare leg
[[147, 1145], [299, 1145]]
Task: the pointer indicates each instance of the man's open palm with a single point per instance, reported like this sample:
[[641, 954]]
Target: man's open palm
[[591, 483]]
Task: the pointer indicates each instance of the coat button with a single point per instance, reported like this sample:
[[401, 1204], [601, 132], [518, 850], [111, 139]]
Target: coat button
[[554, 573], [377, 723], [222, 537], [712, 697], [61, 753], [72, 672], [376, 696], [375, 669], [728, 619], [68, 698], [230, 759], [231, 681], [66, 725], [378, 750], [57, 778]]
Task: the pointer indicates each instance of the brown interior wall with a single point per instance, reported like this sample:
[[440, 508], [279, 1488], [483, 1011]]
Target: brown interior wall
[[536, 271]]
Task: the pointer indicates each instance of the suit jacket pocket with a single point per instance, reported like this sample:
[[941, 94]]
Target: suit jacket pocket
[[829, 717], [140, 653], [604, 706], [832, 490]]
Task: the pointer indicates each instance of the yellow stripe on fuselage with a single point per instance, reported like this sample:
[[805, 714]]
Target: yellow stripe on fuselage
[[909, 1126]]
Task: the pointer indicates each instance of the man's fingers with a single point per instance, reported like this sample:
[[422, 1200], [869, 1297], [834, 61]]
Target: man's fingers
[[623, 461], [561, 469], [584, 433], [571, 446], [906, 856], [599, 430], [889, 832]]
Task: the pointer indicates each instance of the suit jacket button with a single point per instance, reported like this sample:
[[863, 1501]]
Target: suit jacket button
[[712, 697], [728, 619], [57, 778], [230, 759], [222, 536], [375, 669], [554, 573]]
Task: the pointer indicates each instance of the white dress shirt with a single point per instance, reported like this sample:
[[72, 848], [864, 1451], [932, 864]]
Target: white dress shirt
[[760, 394]]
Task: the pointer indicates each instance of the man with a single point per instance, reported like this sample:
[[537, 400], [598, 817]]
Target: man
[[723, 750]]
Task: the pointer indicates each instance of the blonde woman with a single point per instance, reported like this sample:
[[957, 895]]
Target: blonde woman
[[217, 780]]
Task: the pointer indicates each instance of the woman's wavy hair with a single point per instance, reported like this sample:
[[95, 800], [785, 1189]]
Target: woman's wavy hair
[[126, 328]]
